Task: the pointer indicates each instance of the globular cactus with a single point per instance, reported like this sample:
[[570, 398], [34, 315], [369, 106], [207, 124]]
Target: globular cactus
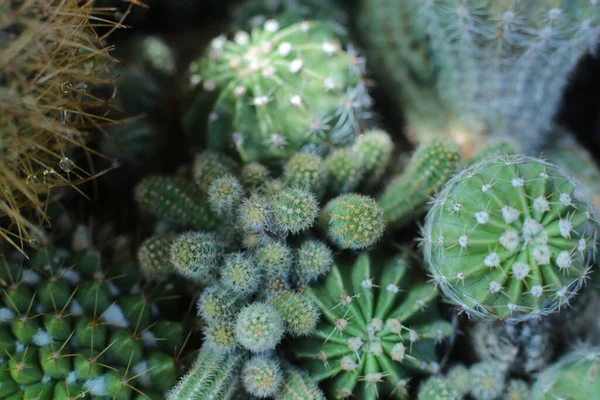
[[508, 239], [298, 385], [517, 389], [294, 209], [259, 327], [344, 171], [196, 255], [407, 194], [210, 165], [154, 257], [523, 348], [322, 100], [374, 150], [352, 221], [262, 376], [240, 273], [574, 376], [224, 195], [217, 303], [436, 388], [214, 376], [487, 381], [307, 171], [155, 55], [299, 312], [51, 59], [177, 201], [68, 328], [459, 380], [378, 328], [313, 259], [255, 175]]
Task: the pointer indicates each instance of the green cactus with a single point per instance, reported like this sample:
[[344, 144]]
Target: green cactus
[[307, 171], [459, 380], [517, 389], [66, 325], [378, 328], [154, 256], [240, 273], [344, 171], [507, 238], [275, 259], [430, 167], [213, 376], [175, 201], [217, 303], [196, 255], [313, 259], [352, 221], [255, 175], [224, 195], [262, 376], [487, 381], [294, 209], [436, 388], [298, 385], [259, 327], [374, 150], [209, 166], [299, 312], [322, 100], [574, 376], [155, 55]]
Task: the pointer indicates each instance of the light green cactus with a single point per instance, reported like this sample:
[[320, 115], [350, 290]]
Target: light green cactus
[[574, 376], [67, 326], [488, 381], [274, 91], [508, 239], [378, 328], [436, 388], [298, 385]]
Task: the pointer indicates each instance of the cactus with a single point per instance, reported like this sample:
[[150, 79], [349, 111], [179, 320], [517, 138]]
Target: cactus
[[51, 59], [352, 221], [175, 201], [255, 175], [154, 257], [155, 55], [436, 388], [517, 389], [299, 313], [526, 348], [307, 171], [224, 195], [378, 328], [213, 377], [240, 273], [217, 303], [344, 171], [209, 166], [313, 259], [262, 376], [322, 100], [459, 380], [429, 168], [374, 150], [255, 214], [487, 381], [507, 238], [294, 209], [574, 376], [259, 327], [68, 326], [196, 255], [298, 385], [275, 259]]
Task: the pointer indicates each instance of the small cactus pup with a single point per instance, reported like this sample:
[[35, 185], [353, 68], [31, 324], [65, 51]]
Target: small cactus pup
[[69, 327], [436, 388], [574, 376], [508, 239], [488, 381], [352, 221], [430, 167], [277, 90], [378, 328], [298, 385]]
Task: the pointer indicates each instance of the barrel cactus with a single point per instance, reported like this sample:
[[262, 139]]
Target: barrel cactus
[[69, 328], [278, 89], [508, 239], [378, 328]]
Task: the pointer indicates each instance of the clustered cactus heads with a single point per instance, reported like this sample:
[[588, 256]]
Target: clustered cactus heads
[[70, 330], [378, 328], [279, 89], [50, 60], [507, 238]]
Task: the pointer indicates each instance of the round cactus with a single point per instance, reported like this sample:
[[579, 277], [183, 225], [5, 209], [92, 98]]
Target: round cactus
[[255, 214], [344, 171], [255, 175], [259, 327], [517, 389], [307, 171], [220, 335], [274, 259], [459, 379], [224, 195], [298, 385], [217, 303], [196, 255], [574, 376], [506, 238], [298, 311], [294, 209], [436, 388], [374, 150], [378, 327], [487, 381], [322, 99], [72, 332], [261, 376], [353, 221], [240, 273], [209, 166], [154, 256], [313, 259]]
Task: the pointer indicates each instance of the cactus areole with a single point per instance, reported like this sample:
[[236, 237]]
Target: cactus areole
[[507, 239]]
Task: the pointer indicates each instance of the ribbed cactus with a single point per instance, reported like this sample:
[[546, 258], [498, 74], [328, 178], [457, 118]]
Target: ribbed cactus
[[298, 385], [322, 100], [429, 168], [67, 326], [214, 376], [51, 59], [378, 328], [507, 238], [154, 256]]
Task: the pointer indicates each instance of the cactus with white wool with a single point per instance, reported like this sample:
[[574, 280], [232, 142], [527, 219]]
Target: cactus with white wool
[[507, 238]]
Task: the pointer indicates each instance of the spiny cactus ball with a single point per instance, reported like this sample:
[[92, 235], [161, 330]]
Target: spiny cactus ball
[[344, 171], [298, 311], [517, 389], [487, 381], [240, 273], [196, 255], [374, 149], [307, 171], [378, 328], [262, 376], [210, 165], [459, 379], [224, 195], [313, 259], [275, 259], [259, 327], [154, 256], [323, 98], [294, 209], [507, 238], [353, 221], [436, 388]]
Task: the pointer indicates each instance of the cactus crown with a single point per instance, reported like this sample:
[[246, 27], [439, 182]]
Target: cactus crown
[[376, 329], [507, 238]]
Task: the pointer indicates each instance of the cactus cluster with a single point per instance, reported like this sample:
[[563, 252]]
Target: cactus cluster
[[278, 89], [507, 238], [71, 329], [378, 329]]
